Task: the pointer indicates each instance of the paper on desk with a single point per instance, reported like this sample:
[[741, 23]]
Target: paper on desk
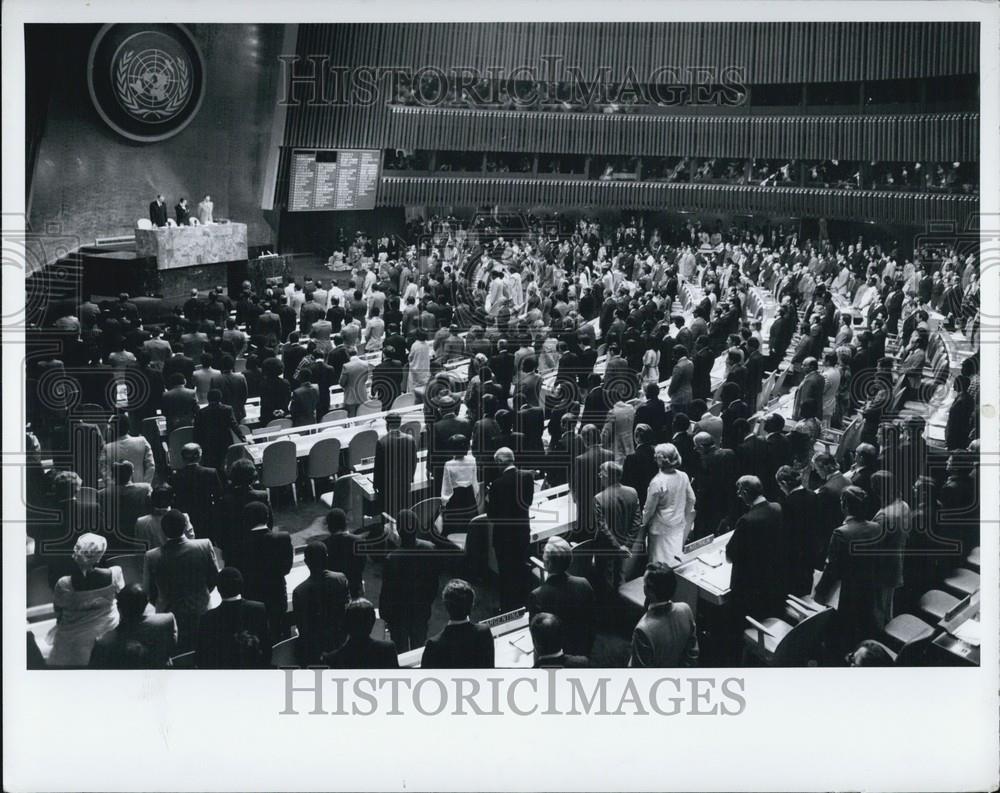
[[968, 632], [717, 578]]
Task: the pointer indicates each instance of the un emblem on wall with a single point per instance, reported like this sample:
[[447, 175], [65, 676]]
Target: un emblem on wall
[[146, 81]]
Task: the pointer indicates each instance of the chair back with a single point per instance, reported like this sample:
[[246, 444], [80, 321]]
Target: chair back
[[279, 424], [39, 591], [279, 464], [324, 459], [427, 512], [283, 654], [175, 442], [362, 447], [478, 541], [237, 451], [803, 643], [333, 415], [144, 223], [404, 401], [131, 565], [369, 407], [171, 222]]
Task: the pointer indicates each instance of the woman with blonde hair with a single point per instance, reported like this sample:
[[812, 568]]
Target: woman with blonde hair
[[84, 603]]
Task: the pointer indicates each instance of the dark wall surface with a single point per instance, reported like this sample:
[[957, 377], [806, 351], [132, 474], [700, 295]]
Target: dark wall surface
[[88, 181]]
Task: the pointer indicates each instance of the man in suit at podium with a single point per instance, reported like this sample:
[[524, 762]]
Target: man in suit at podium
[[158, 211], [182, 212]]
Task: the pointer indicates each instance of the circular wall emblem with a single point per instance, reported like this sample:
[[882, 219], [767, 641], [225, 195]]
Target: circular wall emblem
[[146, 81]]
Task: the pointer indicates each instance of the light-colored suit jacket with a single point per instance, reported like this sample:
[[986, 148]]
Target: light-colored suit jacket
[[617, 435], [180, 576], [665, 637], [617, 516], [354, 381]]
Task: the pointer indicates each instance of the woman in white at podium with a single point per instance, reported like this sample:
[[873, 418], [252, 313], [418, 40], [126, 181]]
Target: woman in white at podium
[[205, 210], [668, 516]]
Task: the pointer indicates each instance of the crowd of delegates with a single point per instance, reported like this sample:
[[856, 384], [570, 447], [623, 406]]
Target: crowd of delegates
[[932, 177], [654, 456]]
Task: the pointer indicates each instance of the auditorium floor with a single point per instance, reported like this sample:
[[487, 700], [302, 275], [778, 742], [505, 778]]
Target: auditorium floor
[[305, 522]]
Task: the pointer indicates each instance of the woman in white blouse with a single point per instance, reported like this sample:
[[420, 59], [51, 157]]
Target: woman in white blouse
[[459, 487]]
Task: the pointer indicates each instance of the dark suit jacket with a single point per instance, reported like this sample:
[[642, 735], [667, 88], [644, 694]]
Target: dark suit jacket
[[508, 506], [179, 406], [441, 432], [197, 488], [830, 514], [571, 599], [757, 587], [158, 213], [265, 558], [157, 633], [346, 555], [214, 429], [715, 486], [183, 215], [860, 575], [654, 413], [639, 469], [463, 646], [234, 392], [617, 517], [561, 456], [318, 603], [217, 647], [409, 583], [804, 542], [811, 387], [395, 465], [585, 483], [366, 653], [562, 661]]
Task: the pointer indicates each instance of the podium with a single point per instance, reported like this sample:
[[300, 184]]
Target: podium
[[187, 246]]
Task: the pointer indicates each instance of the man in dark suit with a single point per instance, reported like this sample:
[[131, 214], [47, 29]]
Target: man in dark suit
[[346, 551], [585, 477], [361, 651], [507, 505], [462, 644], [156, 633], [755, 364], [214, 429], [179, 577], [802, 542], [810, 389], [828, 493], [563, 452], [502, 366], [752, 457], [640, 467], [653, 413], [547, 637], [395, 465], [318, 604], [122, 503], [441, 433], [409, 586], [666, 636], [757, 587], [617, 524], [304, 401], [158, 211], [232, 387], [198, 489], [714, 486], [234, 634], [569, 597], [859, 572], [183, 213], [178, 403]]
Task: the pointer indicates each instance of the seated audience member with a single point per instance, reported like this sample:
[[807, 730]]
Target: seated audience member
[[346, 551], [361, 651], [547, 638], [179, 576], [318, 604], [568, 597], [85, 603], [155, 633], [409, 586], [666, 636], [234, 634], [462, 644]]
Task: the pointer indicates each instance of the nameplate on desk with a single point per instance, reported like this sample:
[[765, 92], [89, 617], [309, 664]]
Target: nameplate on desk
[[691, 547]]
